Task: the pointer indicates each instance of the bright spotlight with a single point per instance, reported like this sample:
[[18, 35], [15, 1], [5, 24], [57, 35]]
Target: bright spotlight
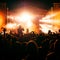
[[25, 16]]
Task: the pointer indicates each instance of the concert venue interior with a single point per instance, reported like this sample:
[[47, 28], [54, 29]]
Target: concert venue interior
[[29, 30]]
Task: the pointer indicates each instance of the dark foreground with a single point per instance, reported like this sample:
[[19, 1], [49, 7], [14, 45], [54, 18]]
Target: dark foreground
[[30, 47]]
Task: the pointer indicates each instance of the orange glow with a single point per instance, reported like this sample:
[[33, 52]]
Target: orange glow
[[2, 20], [52, 20], [24, 19]]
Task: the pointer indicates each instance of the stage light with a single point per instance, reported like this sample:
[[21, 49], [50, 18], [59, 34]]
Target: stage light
[[25, 16], [50, 22]]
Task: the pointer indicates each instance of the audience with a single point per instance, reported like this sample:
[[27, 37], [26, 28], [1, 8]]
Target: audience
[[30, 46]]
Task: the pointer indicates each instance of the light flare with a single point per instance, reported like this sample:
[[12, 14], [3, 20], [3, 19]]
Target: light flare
[[46, 27], [24, 19], [52, 20], [25, 16]]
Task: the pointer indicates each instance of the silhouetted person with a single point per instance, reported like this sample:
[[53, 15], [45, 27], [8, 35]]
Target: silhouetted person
[[20, 31], [49, 32], [32, 51], [59, 31], [4, 31], [27, 31]]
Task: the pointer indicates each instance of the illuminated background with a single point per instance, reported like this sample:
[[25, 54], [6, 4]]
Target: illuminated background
[[33, 17], [27, 16], [2, 15]]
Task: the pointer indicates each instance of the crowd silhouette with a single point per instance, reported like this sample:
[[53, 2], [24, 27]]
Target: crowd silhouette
[[30, 46]]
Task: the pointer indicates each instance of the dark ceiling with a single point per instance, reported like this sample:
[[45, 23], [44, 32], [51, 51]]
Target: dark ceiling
[[12, 3]]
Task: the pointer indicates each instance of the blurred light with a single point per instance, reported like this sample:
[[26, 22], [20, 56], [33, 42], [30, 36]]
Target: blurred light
[[11, 26], [46, 20], [49, 16], [24, 19], [45, 27], [50, 22], [10, 17], [2, 19], [29, 24], [25, 16]]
